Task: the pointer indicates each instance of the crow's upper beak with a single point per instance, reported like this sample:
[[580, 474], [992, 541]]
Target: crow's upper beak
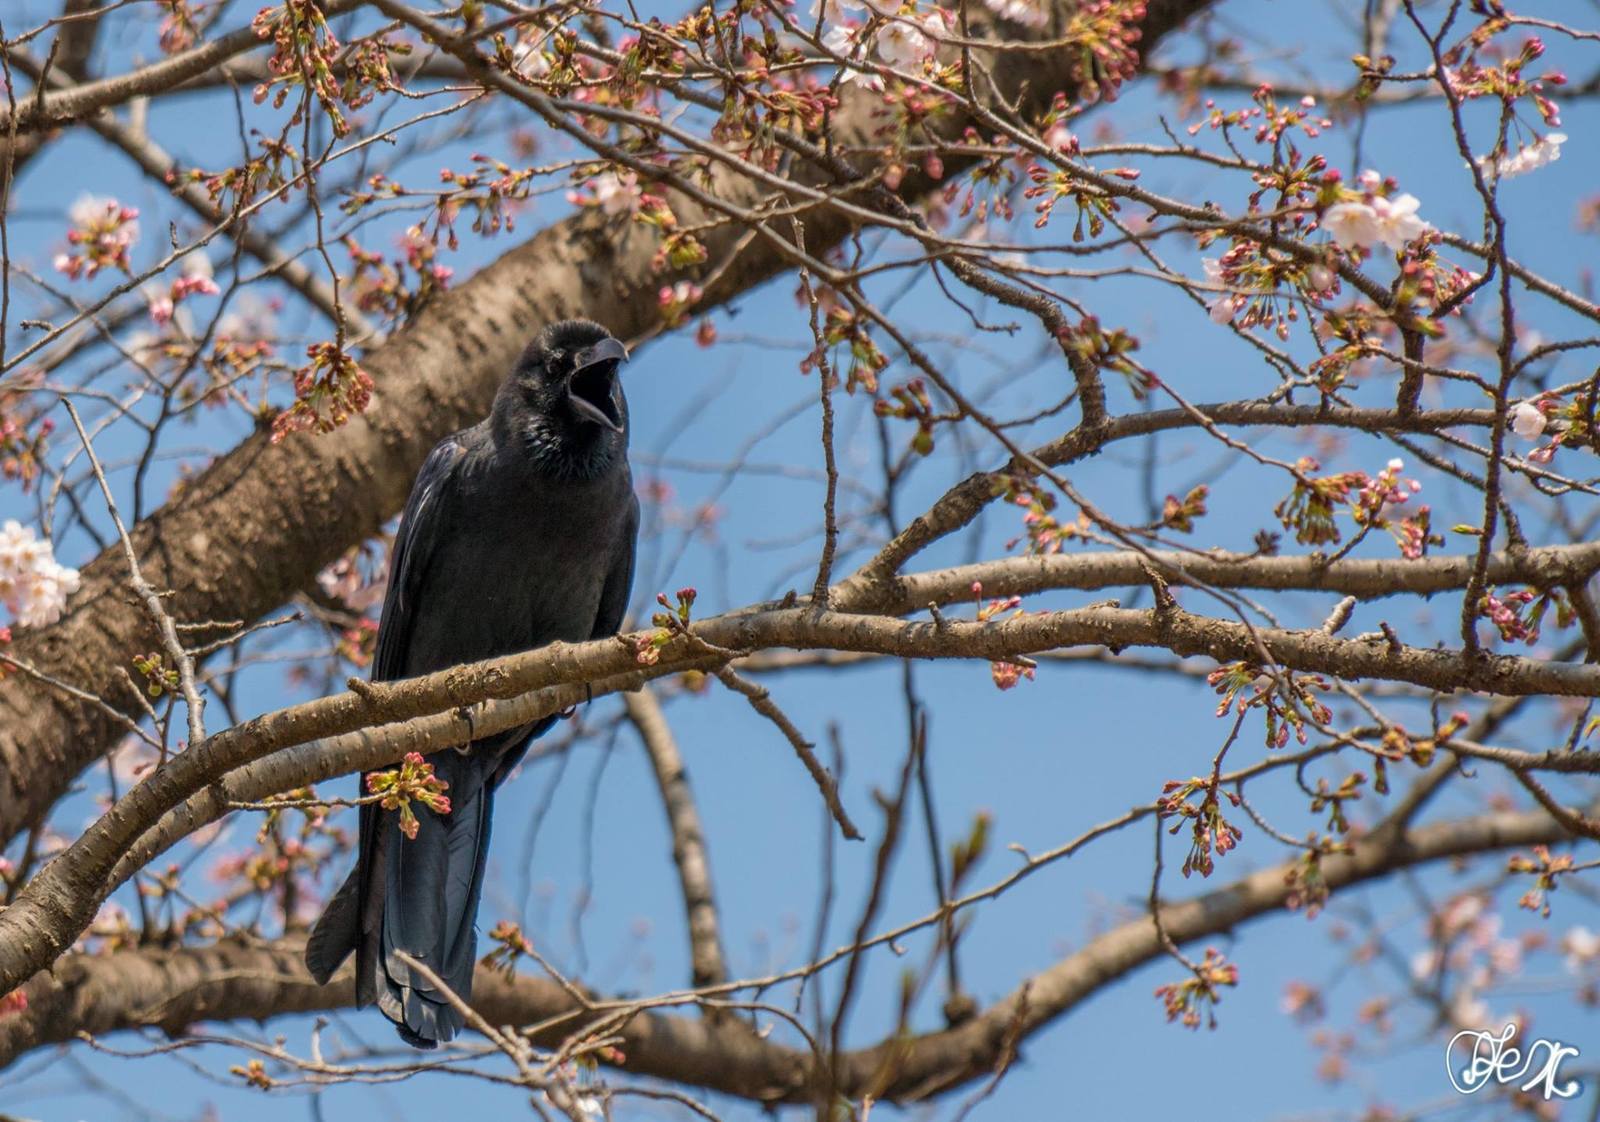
[[589, 388]]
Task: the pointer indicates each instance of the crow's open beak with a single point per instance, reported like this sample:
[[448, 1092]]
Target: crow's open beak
[[590, 387]]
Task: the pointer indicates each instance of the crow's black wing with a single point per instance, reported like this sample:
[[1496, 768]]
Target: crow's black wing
[[414, 543], [338, 932], [420, 526], [614, 595]]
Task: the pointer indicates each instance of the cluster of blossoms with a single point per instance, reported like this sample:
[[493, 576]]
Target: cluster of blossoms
[[1465, 938], [1558, 423], [1004, 674], [1247, 686], [1268, 120], [612, 192], [675, 300], [328, 390], [384, 288], [1377, 216], [103, 230], [510, 944], [494, 191], [1547, 870], [21, 449], [1518, 616], [1249, 268], [414, 779], [911, 402], [33, 587], [901, 43], [669, 624], [306, 53], [195, 278], [1528, 157], [1042, 530], [1374, 502], [1187, 1000], [1210, 832], [180, 27]]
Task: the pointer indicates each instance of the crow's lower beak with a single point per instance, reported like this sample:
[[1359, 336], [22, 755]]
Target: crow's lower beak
[[590, 388]]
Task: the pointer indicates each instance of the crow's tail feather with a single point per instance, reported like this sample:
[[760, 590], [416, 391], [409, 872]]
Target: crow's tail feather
[[431, 885], [337, 931], [418, 897]]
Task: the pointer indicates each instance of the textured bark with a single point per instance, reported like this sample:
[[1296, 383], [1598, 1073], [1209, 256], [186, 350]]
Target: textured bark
[[1365, 578], [707, 965], [254, 528], [244, 763], [173, 989]]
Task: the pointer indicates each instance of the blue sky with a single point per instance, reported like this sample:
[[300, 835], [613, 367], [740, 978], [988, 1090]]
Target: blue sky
[[1048, 759]]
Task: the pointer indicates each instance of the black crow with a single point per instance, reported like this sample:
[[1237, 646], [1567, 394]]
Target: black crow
[[519, 531]]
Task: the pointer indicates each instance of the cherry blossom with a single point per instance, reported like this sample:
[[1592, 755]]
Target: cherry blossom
[[196, 275], [1225, 307], [103, 230], [32, 586], [196, 278], [528, 60], [1351, 225], [1527, 420], [903, 45], [1029, 13], [1061, 138], [1528, 157], [161, 306], [1582, 946], [675, 300], [1398, 223], [1360, 225], [613, 192], [841, 40]]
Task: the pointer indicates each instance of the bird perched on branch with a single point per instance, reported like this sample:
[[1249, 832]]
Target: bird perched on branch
[[519, 531]]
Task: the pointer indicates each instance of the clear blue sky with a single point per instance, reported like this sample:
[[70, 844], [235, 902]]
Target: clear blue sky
[[1076, 746]]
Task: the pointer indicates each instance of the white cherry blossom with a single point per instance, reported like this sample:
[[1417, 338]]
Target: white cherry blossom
[[903, 45], [32, 586], [1527, 420], [1029, 13], [1528, 157], [1351, 225], [1398, 222]]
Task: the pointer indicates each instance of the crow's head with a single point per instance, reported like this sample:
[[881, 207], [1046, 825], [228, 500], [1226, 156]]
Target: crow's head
[[564, 399]]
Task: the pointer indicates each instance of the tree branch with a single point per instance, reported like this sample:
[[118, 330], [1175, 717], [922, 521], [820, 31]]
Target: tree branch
[[173, 989], [281, 750], [708, 967]]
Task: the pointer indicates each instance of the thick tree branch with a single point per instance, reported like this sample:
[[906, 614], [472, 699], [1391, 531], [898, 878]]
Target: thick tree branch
[[707, 965], [174, 989], [1366, 579], [198, 786]]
